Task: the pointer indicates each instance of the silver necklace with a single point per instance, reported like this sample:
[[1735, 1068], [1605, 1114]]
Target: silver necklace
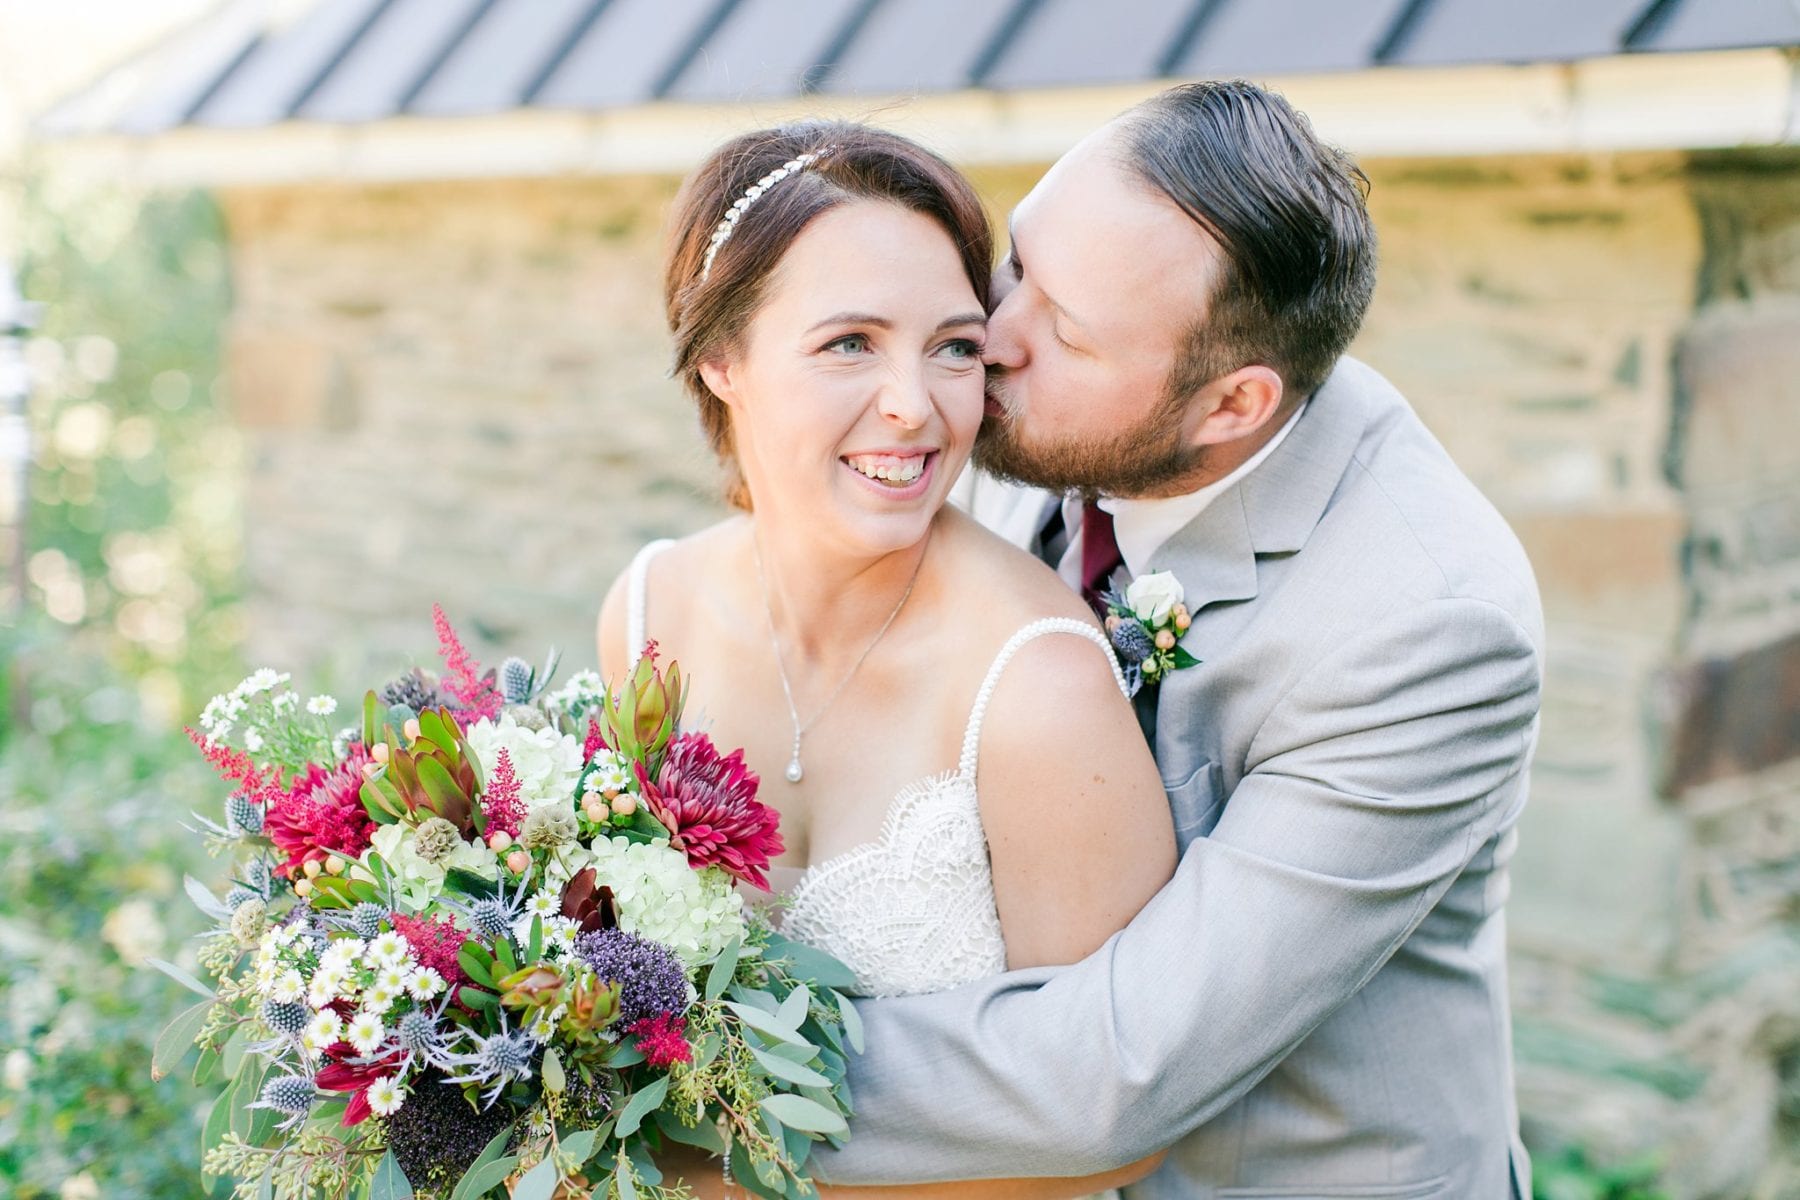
[[796, 772]]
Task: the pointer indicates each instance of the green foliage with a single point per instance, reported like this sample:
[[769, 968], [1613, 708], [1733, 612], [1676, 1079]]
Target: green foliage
[[1571, 1175], [133, 547]]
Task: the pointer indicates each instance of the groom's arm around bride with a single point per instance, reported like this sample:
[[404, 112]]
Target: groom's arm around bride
[[1316, 1004]]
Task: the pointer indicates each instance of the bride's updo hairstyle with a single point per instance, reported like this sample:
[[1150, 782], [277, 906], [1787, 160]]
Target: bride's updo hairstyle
[[710, 304]]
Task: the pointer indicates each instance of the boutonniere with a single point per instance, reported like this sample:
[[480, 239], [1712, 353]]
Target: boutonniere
[[1146, 624]]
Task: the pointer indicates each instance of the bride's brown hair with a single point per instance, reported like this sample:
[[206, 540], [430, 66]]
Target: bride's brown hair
[[708, 316]]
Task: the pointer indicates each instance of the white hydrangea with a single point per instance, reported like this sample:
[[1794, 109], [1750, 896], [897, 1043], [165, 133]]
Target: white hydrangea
[[694, 913], [546, 761], [419, 880]]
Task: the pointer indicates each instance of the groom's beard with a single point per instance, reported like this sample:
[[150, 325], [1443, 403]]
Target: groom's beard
[[1146, 459]]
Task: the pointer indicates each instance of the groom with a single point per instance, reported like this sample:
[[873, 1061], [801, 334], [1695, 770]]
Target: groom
[[1316, 1004]]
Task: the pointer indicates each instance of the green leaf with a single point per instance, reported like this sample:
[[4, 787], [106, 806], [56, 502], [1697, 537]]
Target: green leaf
[[539, 1183], [792, 1072], [553, 1072], [705, 1135], [489, 1153], [534, 948], [432, 728], [792, 1012], [853, 1027], [765, 1023], [641, 1105], [180, 976], [723, 968], [1184, 659], [755, 997], [503, 957], [478, 1181], [476, 998], [812, 965], [476, 963], [446, 798], [390, 1182], [177, 1036], [625, 1055], [218, 1120], [370, 704], [265, 1187], [627, 1189], [372, 802], [580, 1146], [801, 1113]]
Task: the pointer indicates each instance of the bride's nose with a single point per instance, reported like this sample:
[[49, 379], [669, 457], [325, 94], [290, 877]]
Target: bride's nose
[[904, 399]]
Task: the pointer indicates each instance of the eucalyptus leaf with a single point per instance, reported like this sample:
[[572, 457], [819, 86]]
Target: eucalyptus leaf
[[704, 1136], [478, 1181], [540, 1182], [853, 1027], [812, 964], [580, 1146], [390, 1182], [553, 1072], [627, 1055], [755, 997], [765, 1023], [792, 1012], [723, 968], [627, 1189], [641, 1105], [801, 1113], [265, 1187], [180, 976], [177, 1036], [204, 900], [786, 1069], [489, 1153]]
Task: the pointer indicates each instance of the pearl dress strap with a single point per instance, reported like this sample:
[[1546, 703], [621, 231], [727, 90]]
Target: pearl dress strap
[[637, 587], [972, 736]]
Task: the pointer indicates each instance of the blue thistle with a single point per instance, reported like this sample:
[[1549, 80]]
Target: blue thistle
[[286, 1018], [491, 917], [239, 896], [243, 815], [1133, 642], [651, 979], [292, 1095], [515, 680], [366, 918]]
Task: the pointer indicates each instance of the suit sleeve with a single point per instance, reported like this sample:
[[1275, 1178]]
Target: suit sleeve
[[1368, 789]]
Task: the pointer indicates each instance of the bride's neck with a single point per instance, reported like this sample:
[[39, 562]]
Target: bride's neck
[[827, 606]]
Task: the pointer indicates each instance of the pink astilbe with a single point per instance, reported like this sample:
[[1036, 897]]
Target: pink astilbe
[[463, 678], [233, 766], [663, 1040], [320, 814], [595, 743], [708, 803], [435, 942], [500, 803]]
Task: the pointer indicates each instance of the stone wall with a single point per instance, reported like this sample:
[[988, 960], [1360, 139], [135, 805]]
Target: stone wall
[[457, 392]]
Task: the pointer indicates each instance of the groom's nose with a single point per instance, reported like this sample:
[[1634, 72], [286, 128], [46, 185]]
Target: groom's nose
[[1003, 346]]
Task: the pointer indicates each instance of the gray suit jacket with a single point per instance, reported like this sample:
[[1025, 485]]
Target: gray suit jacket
[[1316, 1004]]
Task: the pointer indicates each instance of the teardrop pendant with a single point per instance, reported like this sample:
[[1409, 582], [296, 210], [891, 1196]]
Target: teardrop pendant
[[794, 773]]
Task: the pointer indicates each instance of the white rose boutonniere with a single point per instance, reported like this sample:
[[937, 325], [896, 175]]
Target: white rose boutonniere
[[1146, 624]]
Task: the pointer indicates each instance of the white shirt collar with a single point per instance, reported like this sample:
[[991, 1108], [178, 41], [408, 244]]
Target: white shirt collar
[[1142, 526]]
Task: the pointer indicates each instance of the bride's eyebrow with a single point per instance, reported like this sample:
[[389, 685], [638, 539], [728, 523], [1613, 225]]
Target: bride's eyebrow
[[870, 319]]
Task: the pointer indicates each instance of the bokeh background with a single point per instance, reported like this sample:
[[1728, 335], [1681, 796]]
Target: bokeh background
[[341, 307]]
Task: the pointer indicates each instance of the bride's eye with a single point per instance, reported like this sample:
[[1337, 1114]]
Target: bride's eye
[[850, 343], [961, 349]]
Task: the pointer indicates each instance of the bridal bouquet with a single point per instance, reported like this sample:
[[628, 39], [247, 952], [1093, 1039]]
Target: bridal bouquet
[[486, 941]]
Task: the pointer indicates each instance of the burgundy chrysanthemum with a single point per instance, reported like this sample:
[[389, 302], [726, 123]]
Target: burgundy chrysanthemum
[[320, 812], [709, 805]]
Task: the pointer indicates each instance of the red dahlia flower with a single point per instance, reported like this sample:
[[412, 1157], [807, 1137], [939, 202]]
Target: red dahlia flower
[[709, 805], [320, 813]]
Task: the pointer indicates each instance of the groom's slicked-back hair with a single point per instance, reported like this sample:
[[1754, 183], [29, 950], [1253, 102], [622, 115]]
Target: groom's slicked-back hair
[[708, 311], [1287, 210]]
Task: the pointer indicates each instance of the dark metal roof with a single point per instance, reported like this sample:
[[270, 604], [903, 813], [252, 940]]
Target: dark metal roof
[[360, 60]]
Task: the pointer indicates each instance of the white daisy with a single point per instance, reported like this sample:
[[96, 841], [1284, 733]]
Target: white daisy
[[288, 987], [365, 1032], [386, 1096], [342, 954], [253, 741], [378, 1000], [392, 979], [325, 1028], [543, 904], [424, 983], [388, 949], [325, 987], [321, 706]]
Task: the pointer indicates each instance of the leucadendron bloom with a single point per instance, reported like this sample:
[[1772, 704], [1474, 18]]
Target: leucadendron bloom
[[547, 762], [1154, 597]]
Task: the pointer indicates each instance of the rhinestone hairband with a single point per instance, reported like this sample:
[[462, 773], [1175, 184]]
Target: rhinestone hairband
[[752, 194]]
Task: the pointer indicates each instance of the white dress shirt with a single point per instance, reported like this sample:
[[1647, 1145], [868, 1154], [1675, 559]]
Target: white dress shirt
[[1142, 526]]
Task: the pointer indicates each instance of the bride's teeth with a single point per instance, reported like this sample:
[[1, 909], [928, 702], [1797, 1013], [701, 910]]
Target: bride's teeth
[[901, 473]]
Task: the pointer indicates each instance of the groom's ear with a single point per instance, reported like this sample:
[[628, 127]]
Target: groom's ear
[[1237, 405]]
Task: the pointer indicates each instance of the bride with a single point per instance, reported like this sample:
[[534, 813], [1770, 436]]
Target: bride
[[876, 653]]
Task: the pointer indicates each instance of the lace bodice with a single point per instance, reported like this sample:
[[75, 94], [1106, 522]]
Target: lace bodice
[[913, 909]]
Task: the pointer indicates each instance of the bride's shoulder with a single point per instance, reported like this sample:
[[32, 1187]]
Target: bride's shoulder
[[1016, 588], [686, 557]]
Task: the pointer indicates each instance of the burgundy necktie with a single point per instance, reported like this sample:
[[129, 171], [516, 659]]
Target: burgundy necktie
[[1100, 555]]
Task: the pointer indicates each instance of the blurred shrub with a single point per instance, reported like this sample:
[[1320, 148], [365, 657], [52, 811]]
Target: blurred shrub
[[129, 620], [1572, 1175]]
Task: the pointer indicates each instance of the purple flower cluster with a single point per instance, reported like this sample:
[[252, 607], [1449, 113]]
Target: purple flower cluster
[[652, 981]]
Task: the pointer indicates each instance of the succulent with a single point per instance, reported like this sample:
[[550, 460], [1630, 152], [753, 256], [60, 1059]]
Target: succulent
[[434, 776]]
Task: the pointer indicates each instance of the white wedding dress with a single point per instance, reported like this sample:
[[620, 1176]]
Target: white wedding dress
[[912, 910]]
